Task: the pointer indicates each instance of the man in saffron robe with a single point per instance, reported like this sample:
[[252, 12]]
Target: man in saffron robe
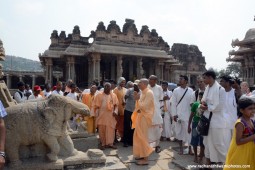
[[105, 108], [145, 110], [120, 92], [87, 99]]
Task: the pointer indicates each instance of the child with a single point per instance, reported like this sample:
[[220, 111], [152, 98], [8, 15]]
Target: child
[[242, 148], [196, 139]]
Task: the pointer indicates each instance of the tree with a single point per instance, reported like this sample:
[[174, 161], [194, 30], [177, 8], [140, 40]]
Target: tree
[[233, 70]]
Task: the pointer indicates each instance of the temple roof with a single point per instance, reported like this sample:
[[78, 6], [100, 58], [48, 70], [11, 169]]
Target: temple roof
[[248, 41], [236, 58], [241, 51], [110, 40], [120, 49]]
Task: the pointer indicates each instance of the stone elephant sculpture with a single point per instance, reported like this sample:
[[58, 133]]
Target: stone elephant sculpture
[[41, 121]]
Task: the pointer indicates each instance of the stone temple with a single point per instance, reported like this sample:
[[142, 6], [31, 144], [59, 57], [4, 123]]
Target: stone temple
[[245, 54], [115, 52]]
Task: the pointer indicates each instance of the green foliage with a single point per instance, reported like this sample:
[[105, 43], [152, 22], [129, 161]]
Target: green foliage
[[233, 70], [20, 64]]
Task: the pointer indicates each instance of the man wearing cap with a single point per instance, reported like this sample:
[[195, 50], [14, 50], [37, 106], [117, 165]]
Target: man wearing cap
[[19, 95], [156, 128], [180, 108], [36, 93]]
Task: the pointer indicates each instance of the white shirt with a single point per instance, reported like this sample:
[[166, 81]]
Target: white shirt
[[218, 119], [58, 92], [46, 94], [183, 108], [72, 95], [169, 94], [231, 109], [158, 95], [32, 97], [193, 97], [18, 98]]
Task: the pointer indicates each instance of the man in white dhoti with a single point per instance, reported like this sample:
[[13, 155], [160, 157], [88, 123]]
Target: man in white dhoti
[[180, 108], [165, 109], [155, 130], [213, 101], [230, 106]]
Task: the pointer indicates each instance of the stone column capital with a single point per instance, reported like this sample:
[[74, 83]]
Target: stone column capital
[[48, 61]]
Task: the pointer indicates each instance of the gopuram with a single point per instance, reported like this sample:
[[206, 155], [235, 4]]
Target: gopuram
[[191, 59], [113, 53], [245, 55]]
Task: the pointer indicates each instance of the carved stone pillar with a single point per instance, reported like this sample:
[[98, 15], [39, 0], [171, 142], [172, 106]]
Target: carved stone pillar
[[33, 80], [161, 70], [96, 66], [113, 72], [9, 81], [157, 70], [119, 67], [90, 70], [140, 70], [131, 67], [49, 71], [71, 68], [20, 78], [167, 73]]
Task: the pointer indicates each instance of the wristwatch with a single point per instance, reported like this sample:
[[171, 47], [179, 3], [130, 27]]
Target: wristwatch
[[2, 154]]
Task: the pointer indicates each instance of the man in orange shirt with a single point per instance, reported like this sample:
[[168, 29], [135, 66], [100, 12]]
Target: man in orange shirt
[[145, 110], [120, 92], [105, 109], [87, 99]]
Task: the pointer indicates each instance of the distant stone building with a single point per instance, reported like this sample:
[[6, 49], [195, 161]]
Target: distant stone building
[[245, 55], [113, 53], [191, 59]]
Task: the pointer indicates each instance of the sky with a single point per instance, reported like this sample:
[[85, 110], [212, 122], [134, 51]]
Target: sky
[[26, 25]]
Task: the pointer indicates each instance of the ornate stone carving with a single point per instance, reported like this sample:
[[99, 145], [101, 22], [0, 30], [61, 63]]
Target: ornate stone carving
[[145, 30], [41, 121], [76, 30], [62, 35], [113, 26], [129, 25], [101, 27], [154, 33]]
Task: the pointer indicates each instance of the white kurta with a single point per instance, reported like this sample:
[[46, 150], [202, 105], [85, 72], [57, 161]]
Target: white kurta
[[154, 132], [216, 146], [182, 110], [231, 109], [167, 126]]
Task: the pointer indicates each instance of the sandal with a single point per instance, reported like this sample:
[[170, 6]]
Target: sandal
[[157, 149], [141, 163], [112, 146], [138, 158]]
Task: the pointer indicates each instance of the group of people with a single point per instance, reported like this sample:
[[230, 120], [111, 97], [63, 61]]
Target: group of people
[[143, 113]]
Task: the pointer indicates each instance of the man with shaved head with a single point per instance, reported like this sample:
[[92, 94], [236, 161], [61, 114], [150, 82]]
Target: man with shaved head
[[144, 111], [105, 109]]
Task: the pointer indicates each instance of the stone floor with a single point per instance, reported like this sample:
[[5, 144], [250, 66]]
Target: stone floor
[[167, 159]]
